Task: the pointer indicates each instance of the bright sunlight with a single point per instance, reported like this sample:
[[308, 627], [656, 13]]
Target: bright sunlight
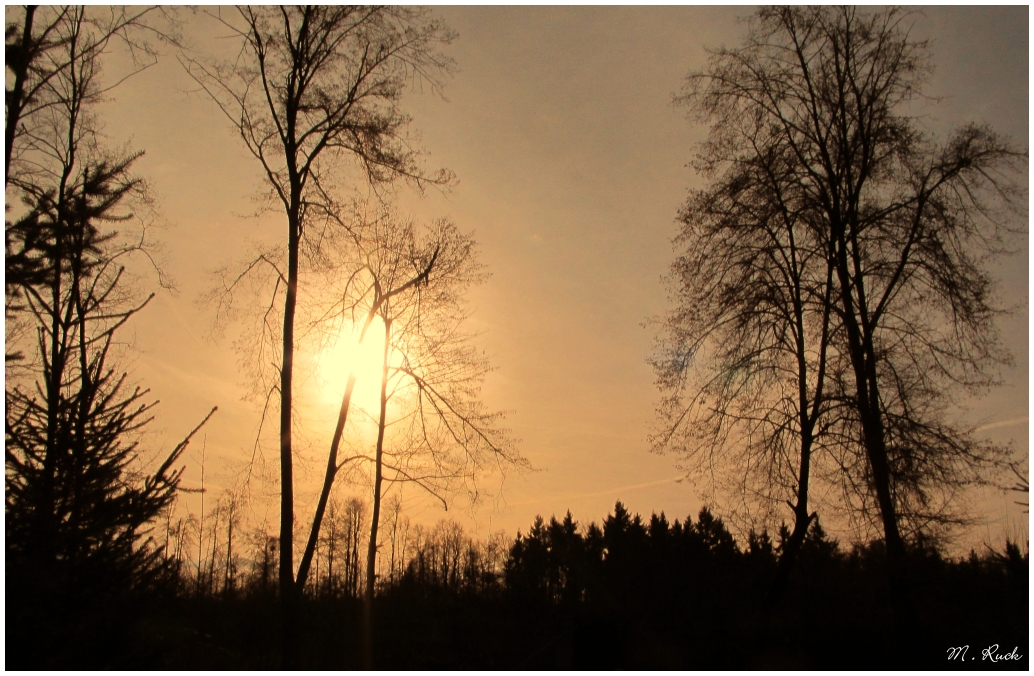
[[348, 355]]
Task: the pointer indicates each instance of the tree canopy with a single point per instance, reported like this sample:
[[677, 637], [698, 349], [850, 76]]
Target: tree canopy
[[833, 280]]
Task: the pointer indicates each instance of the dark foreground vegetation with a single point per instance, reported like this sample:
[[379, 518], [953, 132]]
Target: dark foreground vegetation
[[634, 593]]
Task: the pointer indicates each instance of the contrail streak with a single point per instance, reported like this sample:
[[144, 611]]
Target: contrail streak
[[1003, 423]]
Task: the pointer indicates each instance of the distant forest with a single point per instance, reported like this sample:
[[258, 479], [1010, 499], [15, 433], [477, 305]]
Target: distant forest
[[631, 593]]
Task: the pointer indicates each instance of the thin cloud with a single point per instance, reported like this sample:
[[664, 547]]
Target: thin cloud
[[1003, 423]]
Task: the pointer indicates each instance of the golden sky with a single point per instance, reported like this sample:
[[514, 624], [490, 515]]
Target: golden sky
[[572, 165]]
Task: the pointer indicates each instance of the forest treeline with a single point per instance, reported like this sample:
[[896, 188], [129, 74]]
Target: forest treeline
[[631, 592]]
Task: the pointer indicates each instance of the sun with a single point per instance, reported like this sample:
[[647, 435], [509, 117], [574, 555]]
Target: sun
[[347, 355]]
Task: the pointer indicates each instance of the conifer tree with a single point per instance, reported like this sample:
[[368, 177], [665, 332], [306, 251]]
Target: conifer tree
[[77, 507]]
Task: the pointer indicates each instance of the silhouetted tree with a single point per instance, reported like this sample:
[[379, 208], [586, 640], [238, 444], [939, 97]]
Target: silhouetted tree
[[263, 560], [554, 562], [77, 503], [312, 85], [414, 280], [675, 602], [388, 265], [760, 548], [80, 499], [444, 563], [743, 358], [341, 547], [51, 55], [714, 535], [810, 114]]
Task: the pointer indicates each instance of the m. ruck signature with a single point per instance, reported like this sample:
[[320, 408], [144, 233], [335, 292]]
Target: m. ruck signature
[[991, 653]]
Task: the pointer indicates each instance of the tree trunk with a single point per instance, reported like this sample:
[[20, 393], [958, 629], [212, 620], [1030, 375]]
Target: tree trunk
[[863, 362], [20, 68], [328, 483], [288, 597], [802, 521], [861, 348], [371, 552], [228, 581]]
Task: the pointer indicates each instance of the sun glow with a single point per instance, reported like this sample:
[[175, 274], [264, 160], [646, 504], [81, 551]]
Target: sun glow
[[350, 356]]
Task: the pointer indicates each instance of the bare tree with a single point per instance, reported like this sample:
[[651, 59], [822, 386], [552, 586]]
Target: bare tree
[[354, 519], [374, 242], [43, 44], [231, 505], [397, 535], [340, 548], [331, 540], [310, 86], [443, 439], [446, 556], [264, 558], [903, 224], [743, 358]]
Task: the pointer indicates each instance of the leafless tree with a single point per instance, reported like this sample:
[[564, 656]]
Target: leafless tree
[[354, 519], [443, 439], [264, 558], [341, 545], [309, 87], [231, 505], [178, 543], [447, 556], [217, 532], [373, 240], [398, 535], [744, 356], [810, 114]]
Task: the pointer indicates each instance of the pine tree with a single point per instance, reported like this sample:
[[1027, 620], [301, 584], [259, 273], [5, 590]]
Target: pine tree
[[77, 506]]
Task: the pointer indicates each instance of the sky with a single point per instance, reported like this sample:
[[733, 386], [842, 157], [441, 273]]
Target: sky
[[571, 165]]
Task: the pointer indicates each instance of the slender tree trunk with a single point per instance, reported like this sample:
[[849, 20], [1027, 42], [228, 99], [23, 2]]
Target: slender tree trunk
[[228, 581], [394, 536], [371, 552], [802, 521], [863, 362], [211, 557], [331, 546], [873, 430], [328, 483], [54, 361], [59, 326], [288, 595], [808, 417]]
